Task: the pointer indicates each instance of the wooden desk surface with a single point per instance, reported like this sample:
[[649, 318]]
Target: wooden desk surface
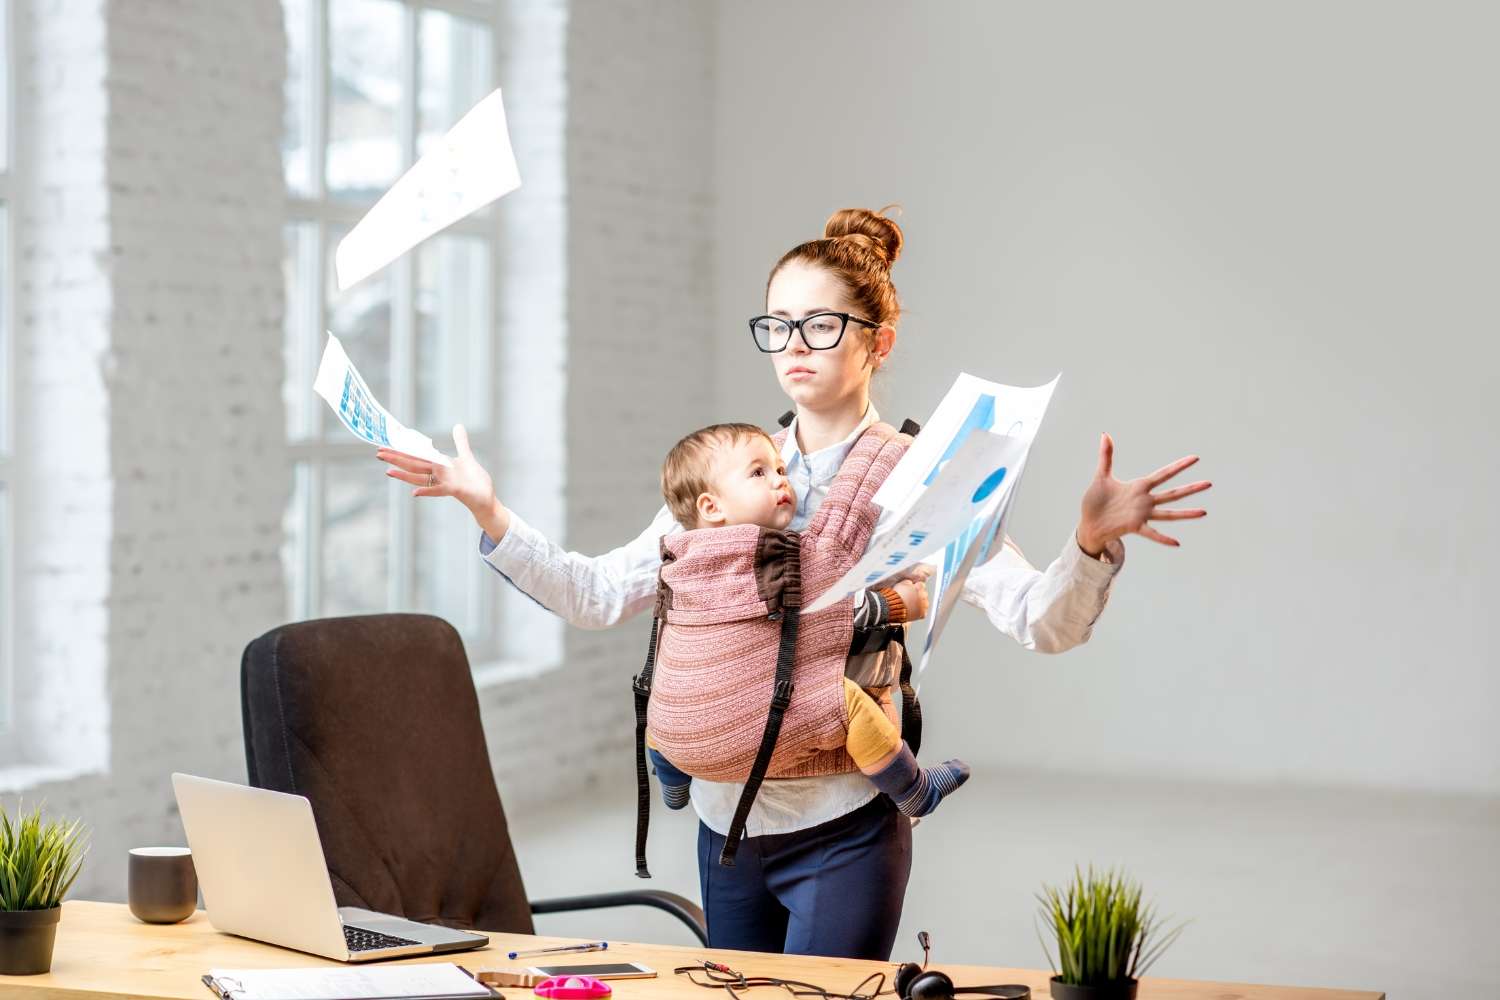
[[103, 953]]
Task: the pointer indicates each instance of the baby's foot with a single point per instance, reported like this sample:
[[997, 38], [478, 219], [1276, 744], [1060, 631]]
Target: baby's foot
[[674, 782], [917, 790], [933, 784]]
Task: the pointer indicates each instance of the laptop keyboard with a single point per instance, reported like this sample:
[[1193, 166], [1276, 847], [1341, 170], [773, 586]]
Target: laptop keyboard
[[362, 939]]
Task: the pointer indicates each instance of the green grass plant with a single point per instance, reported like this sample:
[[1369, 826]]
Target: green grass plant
[[39, 861], [1102, 931]]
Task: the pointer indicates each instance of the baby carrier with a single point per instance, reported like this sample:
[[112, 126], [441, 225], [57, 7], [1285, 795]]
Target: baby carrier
[[739, 684]]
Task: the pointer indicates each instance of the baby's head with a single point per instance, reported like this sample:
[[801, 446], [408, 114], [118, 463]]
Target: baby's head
[[727, 474]]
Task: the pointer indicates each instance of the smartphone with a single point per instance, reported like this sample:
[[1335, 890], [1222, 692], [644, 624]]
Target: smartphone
[[599, 970]]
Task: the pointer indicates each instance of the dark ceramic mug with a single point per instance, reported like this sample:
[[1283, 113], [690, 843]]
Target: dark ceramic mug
[[163, 886]]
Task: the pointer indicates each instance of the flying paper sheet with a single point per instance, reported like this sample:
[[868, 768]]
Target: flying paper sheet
[[971, 485], [339, 383], [471, 167]]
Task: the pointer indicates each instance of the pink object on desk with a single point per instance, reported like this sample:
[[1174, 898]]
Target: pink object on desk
[[572, 988]]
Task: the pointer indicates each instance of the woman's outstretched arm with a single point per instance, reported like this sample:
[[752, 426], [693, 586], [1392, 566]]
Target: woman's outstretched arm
[[587, 591], [1049, 610]]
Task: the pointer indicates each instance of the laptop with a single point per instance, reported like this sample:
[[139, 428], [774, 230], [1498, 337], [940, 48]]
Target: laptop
[[260, 865]]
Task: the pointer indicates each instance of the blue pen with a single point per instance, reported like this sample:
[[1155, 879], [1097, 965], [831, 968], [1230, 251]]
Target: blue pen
[[591, 946]]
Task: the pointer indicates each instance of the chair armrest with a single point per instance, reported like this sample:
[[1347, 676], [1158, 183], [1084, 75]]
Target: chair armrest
[[680, 907]]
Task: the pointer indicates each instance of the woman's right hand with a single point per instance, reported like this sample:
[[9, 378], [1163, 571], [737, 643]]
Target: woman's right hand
[[465, 480]]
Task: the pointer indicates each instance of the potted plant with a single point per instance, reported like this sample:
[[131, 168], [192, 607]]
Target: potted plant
[[1106, 939], [38, 864]]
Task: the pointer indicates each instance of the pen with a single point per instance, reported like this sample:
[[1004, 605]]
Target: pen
[[591, 946]]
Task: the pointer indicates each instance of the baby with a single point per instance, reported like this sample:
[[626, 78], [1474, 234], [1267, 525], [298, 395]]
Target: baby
[[731, 474]]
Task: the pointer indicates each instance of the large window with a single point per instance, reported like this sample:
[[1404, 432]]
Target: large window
[[370, 84], [7, 286]]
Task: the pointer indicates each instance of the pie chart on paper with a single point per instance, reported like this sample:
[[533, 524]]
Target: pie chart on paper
[[989, 486]]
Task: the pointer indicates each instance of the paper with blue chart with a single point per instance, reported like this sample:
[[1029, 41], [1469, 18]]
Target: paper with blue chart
[[971, 483], [949, 495], [340, 384]]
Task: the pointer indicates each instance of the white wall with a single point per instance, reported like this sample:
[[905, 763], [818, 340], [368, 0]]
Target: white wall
[[1264, 233], [637, 217], [150, 428], [1238, 232], [639, 375], [151, 443], [63, 488]]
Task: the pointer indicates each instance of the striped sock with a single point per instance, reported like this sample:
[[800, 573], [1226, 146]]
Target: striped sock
[[674, 783], [918, 790]]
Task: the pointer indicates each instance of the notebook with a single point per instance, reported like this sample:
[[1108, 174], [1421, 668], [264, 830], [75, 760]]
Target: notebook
[[438, 981]]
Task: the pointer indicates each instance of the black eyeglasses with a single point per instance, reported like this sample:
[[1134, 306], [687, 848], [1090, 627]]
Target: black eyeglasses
[[820, 331]]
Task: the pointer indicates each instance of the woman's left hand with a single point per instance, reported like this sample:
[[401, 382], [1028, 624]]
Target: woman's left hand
[[1113, 509]]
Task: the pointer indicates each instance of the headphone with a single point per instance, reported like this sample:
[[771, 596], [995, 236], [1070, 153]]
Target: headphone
[[914, 982]]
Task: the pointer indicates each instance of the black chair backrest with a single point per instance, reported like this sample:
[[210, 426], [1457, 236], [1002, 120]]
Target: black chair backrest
[[375, 720]]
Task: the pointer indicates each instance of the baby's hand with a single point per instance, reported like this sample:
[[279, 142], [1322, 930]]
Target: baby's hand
[[921, 573], [914, 595]]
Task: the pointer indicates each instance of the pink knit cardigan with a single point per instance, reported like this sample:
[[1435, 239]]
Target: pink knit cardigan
[[720, 594]]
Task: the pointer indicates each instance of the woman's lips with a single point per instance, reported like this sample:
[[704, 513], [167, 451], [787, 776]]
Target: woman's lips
[[799, 373]]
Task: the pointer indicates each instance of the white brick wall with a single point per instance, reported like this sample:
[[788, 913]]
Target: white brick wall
[[150, 427], [640, 80], [152, 434]]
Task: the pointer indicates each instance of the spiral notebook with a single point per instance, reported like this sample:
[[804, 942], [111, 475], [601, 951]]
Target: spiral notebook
[[438, 981]]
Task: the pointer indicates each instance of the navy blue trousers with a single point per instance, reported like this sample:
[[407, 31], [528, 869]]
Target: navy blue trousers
[[835, 889]]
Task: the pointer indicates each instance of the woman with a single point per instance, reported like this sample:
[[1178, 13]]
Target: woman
[[825, 861]]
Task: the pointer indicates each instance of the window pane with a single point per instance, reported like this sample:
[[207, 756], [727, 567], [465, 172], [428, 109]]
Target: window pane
[[453, 334], [294, 135], [5, 63], [301, 343], [454, 56], [356, 534], [364, 97], [361, 318], [5, 347], [446, 563], [294, 538], [5, 686]]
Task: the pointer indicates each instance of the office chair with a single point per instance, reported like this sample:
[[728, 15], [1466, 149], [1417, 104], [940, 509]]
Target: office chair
[[374, 718]]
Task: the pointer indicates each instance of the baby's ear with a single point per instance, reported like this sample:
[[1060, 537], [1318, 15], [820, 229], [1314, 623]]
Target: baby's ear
[[709, 512]]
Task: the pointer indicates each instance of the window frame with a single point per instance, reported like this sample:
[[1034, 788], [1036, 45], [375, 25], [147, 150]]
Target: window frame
[[310, 453]]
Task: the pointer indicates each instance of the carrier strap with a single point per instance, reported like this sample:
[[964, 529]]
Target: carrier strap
[[911, 709], [908, 426], [641, 684], [781, 697]]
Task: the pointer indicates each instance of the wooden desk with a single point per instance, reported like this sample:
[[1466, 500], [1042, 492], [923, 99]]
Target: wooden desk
[[104, 953]]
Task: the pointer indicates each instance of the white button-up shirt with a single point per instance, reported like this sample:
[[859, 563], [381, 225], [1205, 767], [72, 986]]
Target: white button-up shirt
[[1048, 611]]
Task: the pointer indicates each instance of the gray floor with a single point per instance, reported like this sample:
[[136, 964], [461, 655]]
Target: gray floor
[[1354, 889]]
